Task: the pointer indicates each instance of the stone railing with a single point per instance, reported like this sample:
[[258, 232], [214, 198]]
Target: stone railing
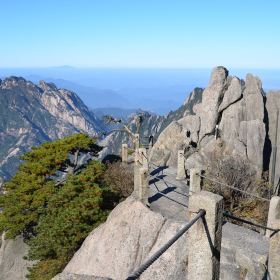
[[272, 228], [205, 235]]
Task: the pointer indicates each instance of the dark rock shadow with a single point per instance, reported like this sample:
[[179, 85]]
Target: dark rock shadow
[[111, 159], [267, 144]]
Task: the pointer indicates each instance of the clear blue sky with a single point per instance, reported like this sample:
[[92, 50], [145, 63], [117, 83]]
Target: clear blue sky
[[140, 33]]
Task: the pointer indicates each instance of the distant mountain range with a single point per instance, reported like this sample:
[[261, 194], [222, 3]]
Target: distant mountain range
[[31, 114], [155, 90]]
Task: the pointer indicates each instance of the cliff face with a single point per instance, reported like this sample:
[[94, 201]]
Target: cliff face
[[244, 117], [32, 114]]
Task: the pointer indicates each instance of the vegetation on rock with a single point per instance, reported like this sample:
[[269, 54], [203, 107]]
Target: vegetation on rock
[[239, 174], [55, 217], [120, 178]]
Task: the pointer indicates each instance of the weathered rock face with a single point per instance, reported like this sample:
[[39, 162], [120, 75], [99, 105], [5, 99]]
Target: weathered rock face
[[273, 108], [232, 94], [177, 136], [211, 100], [236, 109], [133, 232], [253, 95], [12, 264]]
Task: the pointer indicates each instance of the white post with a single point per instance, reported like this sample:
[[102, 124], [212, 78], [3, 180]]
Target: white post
[[137, 141], [205, 237], [124, 152], [274, 238], [137, 167], [195, 181], [150, 149], [144, 185], [141, 173], [181, 173]]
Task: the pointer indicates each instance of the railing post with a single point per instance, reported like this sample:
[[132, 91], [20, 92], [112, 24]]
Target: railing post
[[205, 237], [149, 149], [195, 181], [137, 177], [124, 153], [141, 173], [143, 159], [181, 173], [144, 184], [137, 141], [274, 238]]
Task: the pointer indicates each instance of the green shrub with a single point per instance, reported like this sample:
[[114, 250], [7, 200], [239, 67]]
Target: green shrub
[[55, 218]]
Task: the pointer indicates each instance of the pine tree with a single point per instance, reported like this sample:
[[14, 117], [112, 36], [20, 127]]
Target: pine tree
[[55, 218]]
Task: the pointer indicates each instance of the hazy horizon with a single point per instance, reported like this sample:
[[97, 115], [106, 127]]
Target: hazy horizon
[[156, 89]]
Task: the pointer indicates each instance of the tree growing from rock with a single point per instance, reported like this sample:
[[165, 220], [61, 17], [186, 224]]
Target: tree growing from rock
[[55, 217]]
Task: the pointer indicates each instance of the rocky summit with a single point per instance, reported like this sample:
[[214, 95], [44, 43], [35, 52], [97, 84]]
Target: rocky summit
[[32, 114], [242, 115]]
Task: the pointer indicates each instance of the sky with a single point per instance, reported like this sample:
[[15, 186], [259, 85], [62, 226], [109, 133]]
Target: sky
[[140, 34]]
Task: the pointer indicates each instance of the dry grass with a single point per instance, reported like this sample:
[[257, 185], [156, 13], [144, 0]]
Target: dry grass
[[119, 177], [238, 173]]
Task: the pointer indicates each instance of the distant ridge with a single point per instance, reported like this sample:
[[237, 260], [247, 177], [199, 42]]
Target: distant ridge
[[32, 114]]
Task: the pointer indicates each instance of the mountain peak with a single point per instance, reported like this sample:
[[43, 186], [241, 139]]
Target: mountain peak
[[47, 86], [13, 81]]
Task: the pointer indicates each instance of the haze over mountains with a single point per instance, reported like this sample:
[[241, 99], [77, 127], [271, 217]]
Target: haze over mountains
[[156, 90], [35, 113]]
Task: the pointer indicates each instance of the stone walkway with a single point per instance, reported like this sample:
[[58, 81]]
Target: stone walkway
[[167, 195], [242, 249]]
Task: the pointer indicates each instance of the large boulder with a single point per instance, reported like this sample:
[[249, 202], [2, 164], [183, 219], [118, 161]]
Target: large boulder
[[130, 235]]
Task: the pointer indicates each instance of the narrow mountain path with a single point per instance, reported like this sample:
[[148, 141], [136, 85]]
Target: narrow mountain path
[[242, 249], [167, 195]]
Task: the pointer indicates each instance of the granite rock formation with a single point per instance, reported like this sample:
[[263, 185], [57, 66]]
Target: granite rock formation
[[237, 112]]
